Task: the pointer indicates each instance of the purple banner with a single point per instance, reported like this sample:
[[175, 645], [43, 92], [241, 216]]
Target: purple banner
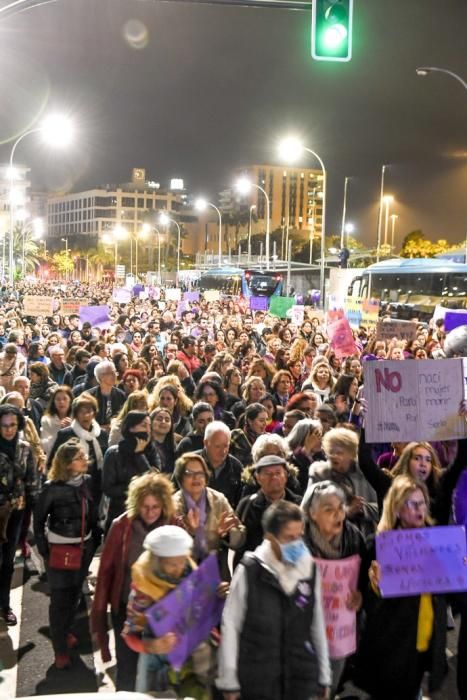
[[190, 611], [181, 307], [460, 499], [190, 296], [259, 303], [97, 316], [422, 560], [454, 319]]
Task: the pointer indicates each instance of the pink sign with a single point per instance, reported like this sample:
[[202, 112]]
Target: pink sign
[[338, 578], [341, 337]]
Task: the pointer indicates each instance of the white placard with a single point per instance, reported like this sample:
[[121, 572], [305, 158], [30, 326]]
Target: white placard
[[173, 294]]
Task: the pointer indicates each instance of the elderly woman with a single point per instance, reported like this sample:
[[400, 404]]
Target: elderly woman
[[404, 637], [65, 515], [109, 399], [340, 446], [148, 505], [206, 513], [93, 440], [269, 444], [157, 572], [282, 387], [329, 535], [304, 441], [255, 420], [134, 455]]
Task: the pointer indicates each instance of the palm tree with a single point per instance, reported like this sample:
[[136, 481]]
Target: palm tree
[[24, 244], [100, 257]]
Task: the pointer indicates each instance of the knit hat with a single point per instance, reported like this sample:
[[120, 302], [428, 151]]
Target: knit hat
[[270, 461], [168, 541]]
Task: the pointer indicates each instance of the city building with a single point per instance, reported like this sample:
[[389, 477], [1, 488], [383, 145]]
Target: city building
[[21, 199]]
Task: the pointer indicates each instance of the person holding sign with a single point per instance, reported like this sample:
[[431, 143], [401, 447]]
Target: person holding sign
[[404, 637], [329, 535]]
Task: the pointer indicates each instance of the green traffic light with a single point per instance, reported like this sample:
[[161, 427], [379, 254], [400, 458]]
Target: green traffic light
[[334, 36], [331, 33]]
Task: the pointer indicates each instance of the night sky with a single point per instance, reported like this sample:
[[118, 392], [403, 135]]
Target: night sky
[[215, 87]]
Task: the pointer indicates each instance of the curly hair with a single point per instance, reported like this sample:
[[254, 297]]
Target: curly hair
[[150, 484]]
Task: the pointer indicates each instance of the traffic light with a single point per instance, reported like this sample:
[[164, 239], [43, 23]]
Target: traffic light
[[331, 30]]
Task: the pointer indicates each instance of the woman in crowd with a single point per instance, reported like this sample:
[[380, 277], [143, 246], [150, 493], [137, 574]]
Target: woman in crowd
[[122, 363], [133, 455], [340, 446], [29, 432], [343, 396], [137, 401], [321, 380], [255, 420], [57, 415], [259, 367], [232, 386], [65, 517], [213, 393], [206, 514], [282, 387], [92, 439], [169, 399], [329, 535], [404, 637], [274, 422], [163, 438], [148, 505], [252, 390], [304, 441], [221, 363], [42, 384]]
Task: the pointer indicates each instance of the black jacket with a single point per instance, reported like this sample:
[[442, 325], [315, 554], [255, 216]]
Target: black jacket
[[58, 375], [19, 478], [117, 399], [228, 480], [34, 411], [120, 466], [65, 434], [190, 443], [250, 511], [59, 507]]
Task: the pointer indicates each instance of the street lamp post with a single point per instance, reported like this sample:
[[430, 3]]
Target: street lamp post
[[380, 214], [393, 217], [244, 187], [202, 204], [344, 212], [165, 220], [388, 200], [253, 206], [56, 130], [291, 149], [425, 70], [65, 241]]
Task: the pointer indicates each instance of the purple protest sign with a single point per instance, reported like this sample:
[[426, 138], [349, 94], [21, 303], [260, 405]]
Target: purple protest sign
[[191, 611], [259, 303], [460, 499], [97, 316], [454, 319], [181, 307], [422, 560], [190, 296]]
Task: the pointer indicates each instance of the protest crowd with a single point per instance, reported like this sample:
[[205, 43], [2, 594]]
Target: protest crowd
[[199, 446]]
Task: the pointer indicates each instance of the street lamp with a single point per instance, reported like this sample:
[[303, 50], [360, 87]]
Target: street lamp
[[388, 200], [57, 131], [380, 213], [291, 149], [425, 70], [65, 241], [202, 204], [243, 187], [393, 218], [165, 220], [253, 206], [119, 233], [344, 211]]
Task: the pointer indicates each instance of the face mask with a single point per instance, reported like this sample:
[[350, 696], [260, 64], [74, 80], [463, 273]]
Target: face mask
[[292, 552], [141, 436]]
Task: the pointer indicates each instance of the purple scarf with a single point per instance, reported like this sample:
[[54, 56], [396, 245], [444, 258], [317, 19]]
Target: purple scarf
[[200, 546]]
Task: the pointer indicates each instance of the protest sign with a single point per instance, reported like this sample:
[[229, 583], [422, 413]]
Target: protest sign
[[402, 330], [161, 305], [370, 312], [296, 314], [181, 307], [190, 296], [341, 337], [97, 316], [460, 499], [259, 303], [72, 306], [190, 611], [143, 294], [212, 295], [278, 306], [338, 578], [454, 319], [439, 312], [422, 560], [412, 400], [173, 294], [38, 306], [121, 295], [311, 312]]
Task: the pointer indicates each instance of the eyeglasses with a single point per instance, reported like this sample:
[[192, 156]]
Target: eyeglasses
[[415, 505], [193, 475]]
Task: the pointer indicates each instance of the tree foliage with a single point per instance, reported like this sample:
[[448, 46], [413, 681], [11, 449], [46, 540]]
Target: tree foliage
[[415, 245]]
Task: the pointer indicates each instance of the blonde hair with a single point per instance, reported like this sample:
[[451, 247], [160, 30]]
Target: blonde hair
[[131, 403], [260, 362], [341, 437], [402, 465], [297, 350], [316, 366], [220, 359], [401, 488], [247, 385], [150, 484], [184, 403]]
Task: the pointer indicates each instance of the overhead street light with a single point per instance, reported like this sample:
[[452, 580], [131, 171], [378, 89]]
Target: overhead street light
[[201, 205], [291, 149], [166, 220], [244, 187], [426, 70]]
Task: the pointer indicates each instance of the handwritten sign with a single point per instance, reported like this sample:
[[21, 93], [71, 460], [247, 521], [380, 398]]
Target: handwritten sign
[[212, 295], [190, 611], [72, 306], [402, 330], [38, 306], [338, 578], [173, 294], [341, 337], [121, 295], [409, 400], [422, 560], [296, 314], [190, 296]]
